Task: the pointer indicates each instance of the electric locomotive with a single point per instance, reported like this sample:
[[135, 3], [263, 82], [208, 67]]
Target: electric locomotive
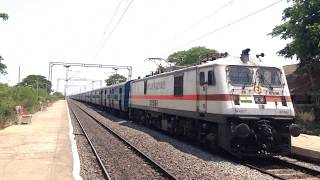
[[234, 103]]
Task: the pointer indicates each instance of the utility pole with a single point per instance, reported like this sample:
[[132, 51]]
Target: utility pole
[[57, 85], [116, 70], [65, 87], [19, 75], [37, 87]]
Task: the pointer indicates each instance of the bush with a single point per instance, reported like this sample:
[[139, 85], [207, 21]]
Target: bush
[[6, 101], [307, 116], [25, 96], [28, 97]]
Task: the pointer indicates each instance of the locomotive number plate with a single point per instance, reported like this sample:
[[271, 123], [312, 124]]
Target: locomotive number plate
[[153, 103]]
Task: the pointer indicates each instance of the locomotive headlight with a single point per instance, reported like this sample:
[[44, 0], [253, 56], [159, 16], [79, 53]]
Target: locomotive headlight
[[294, 130], [241, 130], [260, 99]]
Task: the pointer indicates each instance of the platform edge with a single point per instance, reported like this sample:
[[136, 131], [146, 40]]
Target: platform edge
[[75, 154]]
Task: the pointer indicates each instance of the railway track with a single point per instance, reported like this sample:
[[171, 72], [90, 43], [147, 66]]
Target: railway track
[[165, 173], [103, 168], [282, 169]]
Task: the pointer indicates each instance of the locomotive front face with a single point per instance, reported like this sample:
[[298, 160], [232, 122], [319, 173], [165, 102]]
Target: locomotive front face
[[258, 91], [259, 112]]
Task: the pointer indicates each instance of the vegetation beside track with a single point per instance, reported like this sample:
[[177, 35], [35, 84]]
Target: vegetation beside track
[[30, 98], [309, 127], [308, 117]]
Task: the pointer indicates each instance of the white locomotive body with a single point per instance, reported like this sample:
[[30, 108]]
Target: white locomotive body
[[211, 88]]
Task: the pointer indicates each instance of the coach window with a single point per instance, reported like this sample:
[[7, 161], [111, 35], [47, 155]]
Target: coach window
[[202, 78], [109, 95], [211, 78], [178, 86], [145, 87]]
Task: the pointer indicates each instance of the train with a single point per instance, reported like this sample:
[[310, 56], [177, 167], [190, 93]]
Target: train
[[234, 103]]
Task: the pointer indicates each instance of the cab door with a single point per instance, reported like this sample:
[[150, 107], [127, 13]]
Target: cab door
[[120, 99], [105, 98], [101, 97], [206, 82]]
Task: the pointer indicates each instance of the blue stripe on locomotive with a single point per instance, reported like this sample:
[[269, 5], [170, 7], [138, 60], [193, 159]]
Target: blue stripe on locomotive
[[126, 95]]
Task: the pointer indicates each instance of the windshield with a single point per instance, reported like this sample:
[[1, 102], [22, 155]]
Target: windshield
[[240, 75], [269, 76]]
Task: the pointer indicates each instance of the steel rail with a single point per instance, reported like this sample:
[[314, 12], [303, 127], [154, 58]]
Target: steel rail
[[286, 165], [262, 170], [104, 170], [306, 159], [149, 159]]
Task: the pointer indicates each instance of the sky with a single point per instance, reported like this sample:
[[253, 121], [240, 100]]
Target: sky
[[42, 31]]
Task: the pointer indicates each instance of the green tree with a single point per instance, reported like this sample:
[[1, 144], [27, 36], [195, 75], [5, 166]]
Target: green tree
[[4, 16], [301, 25], [58, 94], [189, 57], [37, 82], [7, 103], [115, 78], [3, 67]]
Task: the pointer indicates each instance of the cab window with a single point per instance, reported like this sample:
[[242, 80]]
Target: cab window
[[202, 78], [178, 86], [211, 78]]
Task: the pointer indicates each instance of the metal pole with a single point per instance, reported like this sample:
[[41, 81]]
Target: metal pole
[[65, 88], [51, 73], [19, 75], [58, 80], [37, 87], [49, 76], [130, 73]]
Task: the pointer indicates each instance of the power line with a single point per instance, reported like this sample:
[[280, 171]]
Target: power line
[[108, 25], [108, 37], [224, 26], [204, 19]]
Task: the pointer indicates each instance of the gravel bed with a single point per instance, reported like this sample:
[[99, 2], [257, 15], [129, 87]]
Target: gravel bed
[[89, 167], [121, 162], [181, 159]]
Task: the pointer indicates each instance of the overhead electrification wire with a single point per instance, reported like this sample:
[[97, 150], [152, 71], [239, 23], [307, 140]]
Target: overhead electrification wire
[[108, 37], [204, 19], [108, 25], [224, 26]]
